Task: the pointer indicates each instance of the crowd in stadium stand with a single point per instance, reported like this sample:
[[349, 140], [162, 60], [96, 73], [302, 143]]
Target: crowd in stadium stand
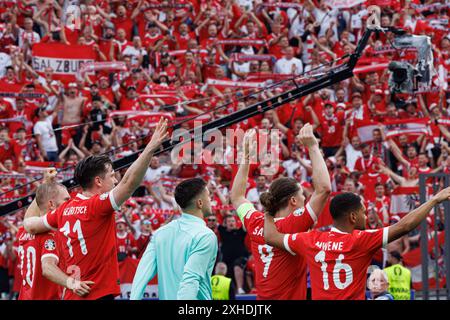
[[209, 58]]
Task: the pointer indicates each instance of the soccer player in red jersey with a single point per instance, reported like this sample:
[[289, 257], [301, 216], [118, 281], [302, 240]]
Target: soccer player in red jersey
[[279, 274], [42, 277], [338, 259], [87, 220]]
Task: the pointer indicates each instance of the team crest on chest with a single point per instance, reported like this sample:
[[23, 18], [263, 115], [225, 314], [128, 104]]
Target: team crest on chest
[[50, 245], [298, 212]]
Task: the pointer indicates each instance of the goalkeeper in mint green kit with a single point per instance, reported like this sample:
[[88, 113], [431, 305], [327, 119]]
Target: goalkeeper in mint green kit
[[183, 252]]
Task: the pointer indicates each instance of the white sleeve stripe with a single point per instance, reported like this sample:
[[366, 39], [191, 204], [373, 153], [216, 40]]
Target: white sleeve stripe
[[48, 255], [311, 213], [113, 201], [46, 224], [385, 236], [286, 244]]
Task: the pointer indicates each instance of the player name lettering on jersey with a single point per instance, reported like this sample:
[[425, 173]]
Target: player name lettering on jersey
[[330, 245], [258, 231], [74, 211], [26, 237]]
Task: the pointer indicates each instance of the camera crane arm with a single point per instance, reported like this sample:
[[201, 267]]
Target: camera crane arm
[[327, 79]]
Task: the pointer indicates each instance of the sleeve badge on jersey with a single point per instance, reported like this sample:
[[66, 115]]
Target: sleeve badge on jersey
[[104, 196], [50, 244], [299, 212]]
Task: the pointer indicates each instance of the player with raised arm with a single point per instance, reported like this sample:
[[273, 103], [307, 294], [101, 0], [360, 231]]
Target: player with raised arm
[[87, 221], [338, 259], [42, 277], [280, 275]]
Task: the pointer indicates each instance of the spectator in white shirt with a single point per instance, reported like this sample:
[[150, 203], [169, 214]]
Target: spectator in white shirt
[[27, 35], [353, 152], [45, 136], [289, 64], [136, 52], [155, 171]]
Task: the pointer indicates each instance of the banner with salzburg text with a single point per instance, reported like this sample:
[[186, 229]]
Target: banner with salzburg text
[[65, 60]]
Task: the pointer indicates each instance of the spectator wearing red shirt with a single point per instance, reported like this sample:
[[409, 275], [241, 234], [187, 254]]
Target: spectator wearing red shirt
[[25, 112], [190, 65], [332, 129], [368, 182], [144, 237], [166, 66], [182, 37], [131, 101], [126, 245], [156, 220], [153, 36], [368, 163], [382, 204], [123, 22], [10, 76], [6, 109], [6, 147], [105, 91], [411, 159], [377, 104]]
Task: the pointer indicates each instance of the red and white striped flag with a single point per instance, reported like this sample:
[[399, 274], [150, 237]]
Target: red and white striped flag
[[152, 117], [413, 126], [364, 129]]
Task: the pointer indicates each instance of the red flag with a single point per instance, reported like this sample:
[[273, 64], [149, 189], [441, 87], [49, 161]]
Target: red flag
[[127, 270], [413, 261]]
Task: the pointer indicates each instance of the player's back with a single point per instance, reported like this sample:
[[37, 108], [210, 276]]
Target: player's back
[[32, 249], [338, 261], [87, 229], [278, 274]]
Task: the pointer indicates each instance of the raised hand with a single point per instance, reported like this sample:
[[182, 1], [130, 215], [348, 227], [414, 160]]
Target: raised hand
[[250, 145], [443, 195], [307, 137], [50, 175], [159, 135]]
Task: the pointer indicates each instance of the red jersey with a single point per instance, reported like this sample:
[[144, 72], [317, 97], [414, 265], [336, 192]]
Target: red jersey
[[369, 180], [6, 151], [125, 243], [32, 249], [156, 220], [141, 243], [371, 165], [332, 129], [89, 229], [129, 104], [337, 261], [382, 207], [278, 274]]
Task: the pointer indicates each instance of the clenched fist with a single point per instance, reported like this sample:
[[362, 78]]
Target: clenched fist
[[307, 137]]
